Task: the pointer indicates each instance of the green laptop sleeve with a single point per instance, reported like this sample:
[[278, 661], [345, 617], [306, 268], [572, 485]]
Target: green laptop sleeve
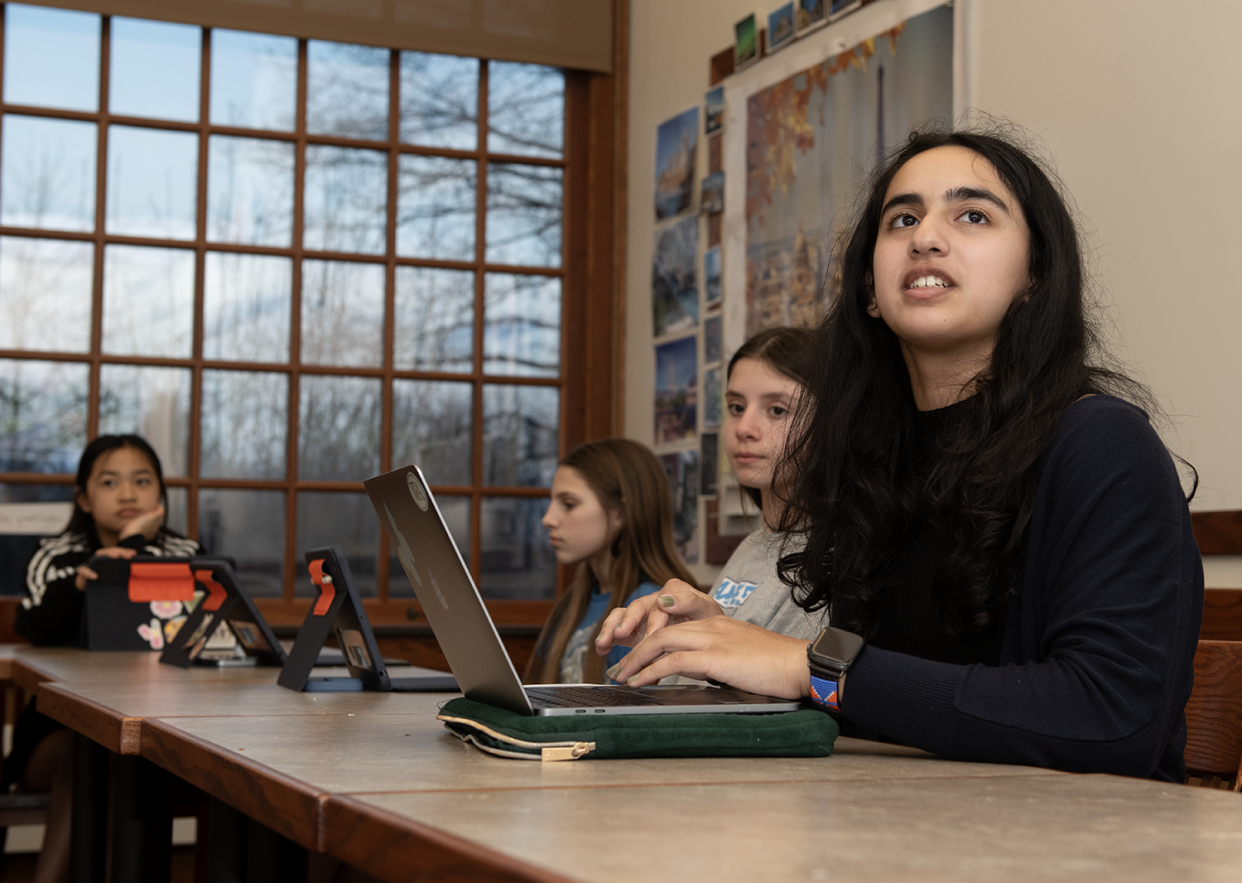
[[804, 733]]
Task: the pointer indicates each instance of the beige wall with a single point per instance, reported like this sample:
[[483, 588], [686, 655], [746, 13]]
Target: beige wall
[[671, 43], [1140, 109], [1136, 100]]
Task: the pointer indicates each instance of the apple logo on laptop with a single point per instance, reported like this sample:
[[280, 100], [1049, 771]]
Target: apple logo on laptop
[[416, 490]]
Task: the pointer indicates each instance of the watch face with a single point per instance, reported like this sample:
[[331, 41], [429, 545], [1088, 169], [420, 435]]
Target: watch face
[[837, 645]]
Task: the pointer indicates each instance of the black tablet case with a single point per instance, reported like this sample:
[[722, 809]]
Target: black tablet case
[[337, 610], [338, 613], [117, 606], [226, 601]]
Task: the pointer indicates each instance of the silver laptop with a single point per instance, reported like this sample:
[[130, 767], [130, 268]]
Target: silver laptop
[[468, 637]]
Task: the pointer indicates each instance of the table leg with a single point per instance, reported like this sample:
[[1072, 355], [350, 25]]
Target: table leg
[[141, 822], [89, 835], [272, 858], [229, 833]]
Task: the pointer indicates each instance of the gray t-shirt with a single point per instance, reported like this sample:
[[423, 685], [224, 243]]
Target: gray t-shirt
[[748, 589]]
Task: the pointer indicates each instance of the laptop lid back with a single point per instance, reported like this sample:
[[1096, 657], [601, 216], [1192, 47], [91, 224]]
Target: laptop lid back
[[443, 585]]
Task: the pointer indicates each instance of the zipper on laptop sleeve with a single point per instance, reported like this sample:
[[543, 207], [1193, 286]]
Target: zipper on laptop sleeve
[[566, 751], [548, 751]]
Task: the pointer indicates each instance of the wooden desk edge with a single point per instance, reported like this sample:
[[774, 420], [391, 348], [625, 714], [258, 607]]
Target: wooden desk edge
[[100, 723], [29, 676], [7, 651], [286, 805], [386, 845]]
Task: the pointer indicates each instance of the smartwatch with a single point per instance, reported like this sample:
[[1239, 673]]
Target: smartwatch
[[829, 657]]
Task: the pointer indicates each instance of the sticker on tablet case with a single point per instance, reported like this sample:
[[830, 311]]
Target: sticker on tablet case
[[416, 490]]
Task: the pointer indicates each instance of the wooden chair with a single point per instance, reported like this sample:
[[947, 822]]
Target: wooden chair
[[1214, 715], [20, 809], [1220, 533], [1222, 615]]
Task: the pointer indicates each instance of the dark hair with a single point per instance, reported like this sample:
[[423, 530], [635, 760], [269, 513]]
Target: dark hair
[[82, 521], [857, 496], [784, 349], [629, 481]]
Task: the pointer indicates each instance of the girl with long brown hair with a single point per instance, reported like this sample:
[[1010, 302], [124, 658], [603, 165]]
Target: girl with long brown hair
[[611, 513]]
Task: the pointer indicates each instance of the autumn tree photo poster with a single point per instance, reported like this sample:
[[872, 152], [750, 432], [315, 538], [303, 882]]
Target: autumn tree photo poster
[[812, 138]]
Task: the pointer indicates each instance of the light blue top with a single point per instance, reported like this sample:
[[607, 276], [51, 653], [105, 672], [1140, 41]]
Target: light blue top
[[576, 650]]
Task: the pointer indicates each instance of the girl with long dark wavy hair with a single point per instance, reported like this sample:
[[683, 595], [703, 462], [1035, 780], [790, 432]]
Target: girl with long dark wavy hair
[[983, 503]]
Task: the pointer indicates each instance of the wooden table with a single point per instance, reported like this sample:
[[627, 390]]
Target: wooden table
[[952, 828], [398, 792], [309, 762], [107, 697], [375, 781]]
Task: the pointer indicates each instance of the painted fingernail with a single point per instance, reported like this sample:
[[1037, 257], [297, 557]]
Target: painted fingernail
[[667, 600], [630, 680], [614, 671]]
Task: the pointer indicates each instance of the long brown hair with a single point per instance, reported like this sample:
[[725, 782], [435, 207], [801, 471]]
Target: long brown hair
[[630, 482]]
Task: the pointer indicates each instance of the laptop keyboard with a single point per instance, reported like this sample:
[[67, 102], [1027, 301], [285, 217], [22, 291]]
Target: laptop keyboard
[[586, 697]]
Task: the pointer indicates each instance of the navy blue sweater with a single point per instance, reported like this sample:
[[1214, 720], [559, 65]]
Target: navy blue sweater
[[1097, 655]]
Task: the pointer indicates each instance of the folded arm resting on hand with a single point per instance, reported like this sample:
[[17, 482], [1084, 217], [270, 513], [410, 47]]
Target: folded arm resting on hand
[[139, 530]]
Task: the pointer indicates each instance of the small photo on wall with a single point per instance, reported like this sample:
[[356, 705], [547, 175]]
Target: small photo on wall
[[713, 118], [674, 282], [811, 14], [745, 42], [676, 393], [780, 27], [712, 198], [709, 464], [713, 398], [683, 475], [677, 142], [711, 276], [711, 340]]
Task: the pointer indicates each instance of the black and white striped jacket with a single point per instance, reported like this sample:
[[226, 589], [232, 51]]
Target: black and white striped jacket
[[51, 612]]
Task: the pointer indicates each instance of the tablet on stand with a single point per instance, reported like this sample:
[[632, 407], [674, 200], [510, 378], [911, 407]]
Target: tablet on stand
[[226, 604], [338, 613]]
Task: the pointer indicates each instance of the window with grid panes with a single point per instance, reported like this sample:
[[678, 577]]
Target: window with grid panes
[[290, 265]]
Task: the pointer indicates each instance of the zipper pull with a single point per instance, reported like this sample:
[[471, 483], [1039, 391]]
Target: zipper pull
[[567, 752]]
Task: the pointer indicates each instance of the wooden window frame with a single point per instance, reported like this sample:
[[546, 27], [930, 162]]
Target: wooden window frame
[[591, 320]]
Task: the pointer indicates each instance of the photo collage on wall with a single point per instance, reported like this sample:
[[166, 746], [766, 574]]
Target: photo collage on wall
[[805, 125], [785, 23], [801, 135], [678, 287]]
